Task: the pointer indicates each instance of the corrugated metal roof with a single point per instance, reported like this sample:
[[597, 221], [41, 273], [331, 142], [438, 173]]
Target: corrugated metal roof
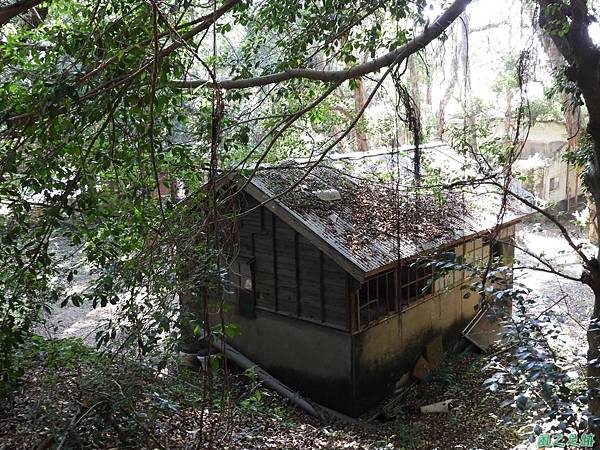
[[377, 221]]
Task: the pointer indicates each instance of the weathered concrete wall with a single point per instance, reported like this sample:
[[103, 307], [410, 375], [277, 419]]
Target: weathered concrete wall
[[548, 131], [314, 360], [547, 140], [383, 352]]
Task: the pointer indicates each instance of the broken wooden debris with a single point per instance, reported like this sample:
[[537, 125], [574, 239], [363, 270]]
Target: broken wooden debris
[[314, 409], [264, 376], [461, 345], [422, 369], [327, 414], [430, 360], [393, 407], [484, 330], [403, 381], [439, 407]]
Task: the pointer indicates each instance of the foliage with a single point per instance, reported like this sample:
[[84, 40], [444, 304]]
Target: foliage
[[77, 397], [539, 381], [78, 163], [582, 154], [91, 128], [442, 376], [254, 402], [506, 80], [545, 109]]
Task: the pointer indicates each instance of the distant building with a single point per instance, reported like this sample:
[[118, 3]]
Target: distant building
[[548, 175], [330, 285]]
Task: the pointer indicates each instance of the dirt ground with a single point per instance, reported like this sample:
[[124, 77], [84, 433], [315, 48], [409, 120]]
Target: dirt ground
[[568, 302], [74, 321]]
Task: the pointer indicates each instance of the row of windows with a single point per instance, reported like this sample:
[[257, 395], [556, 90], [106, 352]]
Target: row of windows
[[378, 297], [390, 291]]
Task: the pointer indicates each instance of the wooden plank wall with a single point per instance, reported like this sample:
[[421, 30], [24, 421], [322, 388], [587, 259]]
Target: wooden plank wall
[[292, 276]]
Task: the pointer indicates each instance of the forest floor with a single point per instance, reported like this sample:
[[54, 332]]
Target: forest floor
[[75, 397], [75, 321]]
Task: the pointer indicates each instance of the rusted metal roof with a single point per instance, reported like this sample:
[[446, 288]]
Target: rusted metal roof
[[362, 210]]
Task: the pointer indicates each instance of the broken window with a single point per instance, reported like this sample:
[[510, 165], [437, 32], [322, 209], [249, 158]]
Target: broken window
[[243, 281], [502, 250], [497, 251], [554, 183], [503, 254], [416, 281], [446, 273], [246, 276], [377, 298]]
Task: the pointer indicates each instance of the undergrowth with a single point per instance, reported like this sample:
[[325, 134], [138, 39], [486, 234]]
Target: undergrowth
[[72, 396]]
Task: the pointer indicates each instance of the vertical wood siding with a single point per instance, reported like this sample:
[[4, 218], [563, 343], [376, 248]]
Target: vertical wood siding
[[292, 277]]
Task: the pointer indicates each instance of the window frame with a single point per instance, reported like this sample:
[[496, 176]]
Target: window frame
[[246, 297], [368, 301], [413, 267]]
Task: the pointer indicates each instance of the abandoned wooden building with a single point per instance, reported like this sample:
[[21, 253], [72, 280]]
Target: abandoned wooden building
[[328, 292]]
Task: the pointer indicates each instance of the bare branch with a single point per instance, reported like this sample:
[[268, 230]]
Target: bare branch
[[552, 219], [551, 271], [429, 34]]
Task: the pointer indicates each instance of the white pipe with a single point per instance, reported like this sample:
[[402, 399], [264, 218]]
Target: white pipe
[[264, 376]]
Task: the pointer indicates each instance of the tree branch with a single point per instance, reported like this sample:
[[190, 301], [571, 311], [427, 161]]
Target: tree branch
[[10, 11], [552, 16], [329, 76], [203, 23]]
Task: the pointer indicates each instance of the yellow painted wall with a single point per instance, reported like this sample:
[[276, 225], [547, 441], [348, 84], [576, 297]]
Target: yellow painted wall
[[386, 350]]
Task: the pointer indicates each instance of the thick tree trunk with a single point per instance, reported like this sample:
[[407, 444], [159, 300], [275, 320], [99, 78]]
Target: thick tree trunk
[[343, 146], [16, 8], [463, 53], [592, 278], [413, 80], [592, 221], [452, 79], [360, 98], [583, 58]]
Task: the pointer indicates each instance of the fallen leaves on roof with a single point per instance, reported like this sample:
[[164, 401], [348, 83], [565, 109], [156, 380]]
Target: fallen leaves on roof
[[375, 209]]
